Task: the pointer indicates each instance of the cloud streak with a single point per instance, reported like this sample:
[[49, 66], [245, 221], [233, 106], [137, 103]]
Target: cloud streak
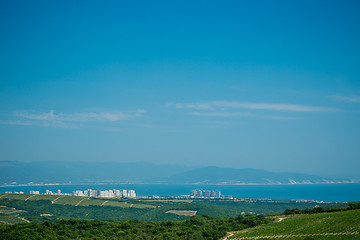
[[352, 98], [222, 114], [79, 117], [215, 105], [69, 120], [233, 109]]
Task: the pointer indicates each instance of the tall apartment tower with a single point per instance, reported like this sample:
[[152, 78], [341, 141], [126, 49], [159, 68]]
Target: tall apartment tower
[[124, 193], [118, 193], [218, 194], [132, 193]]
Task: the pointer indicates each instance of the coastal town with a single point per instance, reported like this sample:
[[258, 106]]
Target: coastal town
[[114, 193], [125, 193]]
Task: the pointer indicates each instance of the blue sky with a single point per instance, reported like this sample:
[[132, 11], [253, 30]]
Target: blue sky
[[263, 84]]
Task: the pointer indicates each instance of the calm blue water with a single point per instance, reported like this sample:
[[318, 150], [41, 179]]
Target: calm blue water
[[321, 192]]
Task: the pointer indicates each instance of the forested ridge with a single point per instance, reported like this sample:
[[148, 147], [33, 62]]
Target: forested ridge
[[351, 206], [196, 227]]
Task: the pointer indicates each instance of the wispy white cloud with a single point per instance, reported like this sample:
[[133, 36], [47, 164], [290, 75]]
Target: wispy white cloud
[[36, 115], [281, 117], [352, 98], [241, 114], [17, 122], [198, 106], [222, 114], [39, 123], [79, 116], [215, 105], [229, 109], [69, 120]]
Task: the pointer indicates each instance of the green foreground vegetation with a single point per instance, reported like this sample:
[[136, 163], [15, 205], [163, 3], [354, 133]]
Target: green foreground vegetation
[[316, 226], [66, 217], [344, 224], [204, 227]]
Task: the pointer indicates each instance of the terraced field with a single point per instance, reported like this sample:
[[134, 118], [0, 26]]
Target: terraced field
[[125, 204], [9, 216], [42, 197], [15, 196], [10, 220], [8, 210], [68, 200], [76, 201], [91, 202], [329, 226], [171, 200]]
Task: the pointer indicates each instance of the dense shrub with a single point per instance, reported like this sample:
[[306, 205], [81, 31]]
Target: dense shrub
[[196, 227], [351, 206]]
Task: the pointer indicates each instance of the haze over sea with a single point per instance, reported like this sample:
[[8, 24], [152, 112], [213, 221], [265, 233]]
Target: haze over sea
[[320, 192]]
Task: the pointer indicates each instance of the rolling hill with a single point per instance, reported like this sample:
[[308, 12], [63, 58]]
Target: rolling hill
[[12, 172], [217, 175], [329, 226]]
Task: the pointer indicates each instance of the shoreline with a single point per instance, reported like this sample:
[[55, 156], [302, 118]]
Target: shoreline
[[189, 184]]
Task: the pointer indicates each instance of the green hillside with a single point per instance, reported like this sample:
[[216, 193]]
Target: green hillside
[[24, 216], [38, 208], [10, 220], [77, 201], [336, 225]]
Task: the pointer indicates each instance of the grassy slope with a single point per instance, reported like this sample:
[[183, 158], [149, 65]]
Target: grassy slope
[[223, 208], [259, 207], [9, 219], [74, 200], [309, 224], [120, 209], [9, 216]]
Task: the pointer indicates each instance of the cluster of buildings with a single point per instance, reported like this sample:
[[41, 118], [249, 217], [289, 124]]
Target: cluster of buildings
[[205, 194], [309, 201], [9, 192], [115, 193]]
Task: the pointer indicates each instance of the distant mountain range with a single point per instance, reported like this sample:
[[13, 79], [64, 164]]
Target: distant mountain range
[[217, 175], [81, 172], [13, 172]]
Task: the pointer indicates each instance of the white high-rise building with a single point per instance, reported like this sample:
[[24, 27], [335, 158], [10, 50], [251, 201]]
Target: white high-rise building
[[218, 194], [124, 193], [91, 193], [48, 192], [78, 193], [111, 194], [206, 193], [107, 194], [132, 193], [101, 193], [118, 193]]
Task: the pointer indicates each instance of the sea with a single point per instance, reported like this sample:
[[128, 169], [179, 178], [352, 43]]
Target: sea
[[343, 192]]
